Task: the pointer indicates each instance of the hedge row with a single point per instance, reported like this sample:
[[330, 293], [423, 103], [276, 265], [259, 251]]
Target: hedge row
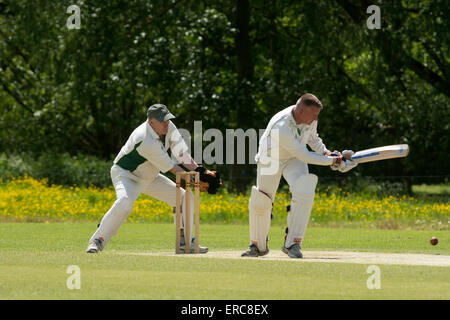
[[59, 169]]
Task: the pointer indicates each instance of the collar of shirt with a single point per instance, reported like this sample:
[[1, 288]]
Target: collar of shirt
[[152, 132], [294, 124]]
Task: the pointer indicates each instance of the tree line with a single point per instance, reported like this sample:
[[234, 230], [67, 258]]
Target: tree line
[[229, 64]]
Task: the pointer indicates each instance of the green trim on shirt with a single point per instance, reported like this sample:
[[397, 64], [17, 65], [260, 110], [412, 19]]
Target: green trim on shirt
[[131, 160]]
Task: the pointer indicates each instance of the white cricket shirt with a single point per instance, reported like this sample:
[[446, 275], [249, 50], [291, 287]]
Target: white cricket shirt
[[144, 155], [283, 139]]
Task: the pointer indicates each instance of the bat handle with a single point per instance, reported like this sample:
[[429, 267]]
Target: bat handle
[[347, 154]]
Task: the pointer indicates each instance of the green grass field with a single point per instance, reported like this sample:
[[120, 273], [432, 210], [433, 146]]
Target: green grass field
[[34, 258], [45, 229]]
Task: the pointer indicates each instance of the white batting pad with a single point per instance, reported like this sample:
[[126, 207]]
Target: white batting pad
[[303, 192], [260, 208]]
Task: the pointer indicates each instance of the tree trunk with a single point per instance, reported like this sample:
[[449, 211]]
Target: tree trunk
[[241, 174]]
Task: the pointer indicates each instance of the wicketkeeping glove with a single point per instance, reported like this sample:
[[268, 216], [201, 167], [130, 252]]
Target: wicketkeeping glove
[[209, 180]]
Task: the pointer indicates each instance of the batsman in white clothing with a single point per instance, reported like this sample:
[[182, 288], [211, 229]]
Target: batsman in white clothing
[[137, 169], [283, 152]]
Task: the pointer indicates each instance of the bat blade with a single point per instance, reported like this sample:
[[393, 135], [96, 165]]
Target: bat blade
[[380, 153]]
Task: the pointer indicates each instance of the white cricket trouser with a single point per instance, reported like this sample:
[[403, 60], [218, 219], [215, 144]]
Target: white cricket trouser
[[127, 191], [291, 170]]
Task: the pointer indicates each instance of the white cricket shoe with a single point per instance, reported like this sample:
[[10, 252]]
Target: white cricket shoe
[[192, 248], [95, 246]]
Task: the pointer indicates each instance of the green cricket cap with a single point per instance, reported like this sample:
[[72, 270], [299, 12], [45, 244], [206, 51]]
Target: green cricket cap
[[159, 112]]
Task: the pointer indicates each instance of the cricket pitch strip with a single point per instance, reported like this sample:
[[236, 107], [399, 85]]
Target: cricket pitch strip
[[411, 259]]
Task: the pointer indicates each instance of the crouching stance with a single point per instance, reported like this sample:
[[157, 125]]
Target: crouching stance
[[137, 168], [283, 152]]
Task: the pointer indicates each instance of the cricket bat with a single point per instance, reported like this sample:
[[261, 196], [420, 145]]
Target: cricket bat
[[380, 153]]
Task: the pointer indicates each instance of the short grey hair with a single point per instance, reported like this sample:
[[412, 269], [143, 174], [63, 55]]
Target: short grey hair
[[309, 100]]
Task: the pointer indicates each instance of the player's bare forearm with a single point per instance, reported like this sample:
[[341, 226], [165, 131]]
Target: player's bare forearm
[[191, 166], [189, 162], [176, 168]]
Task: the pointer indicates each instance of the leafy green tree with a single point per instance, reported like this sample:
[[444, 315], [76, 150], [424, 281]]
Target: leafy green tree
[[231, 64]]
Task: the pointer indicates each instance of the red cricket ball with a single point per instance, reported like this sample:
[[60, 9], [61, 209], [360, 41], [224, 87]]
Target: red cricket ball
[[434, 241]]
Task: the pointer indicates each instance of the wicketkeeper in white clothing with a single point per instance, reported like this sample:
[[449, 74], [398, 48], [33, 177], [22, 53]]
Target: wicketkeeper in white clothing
[[283, 151], [137, 168]]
